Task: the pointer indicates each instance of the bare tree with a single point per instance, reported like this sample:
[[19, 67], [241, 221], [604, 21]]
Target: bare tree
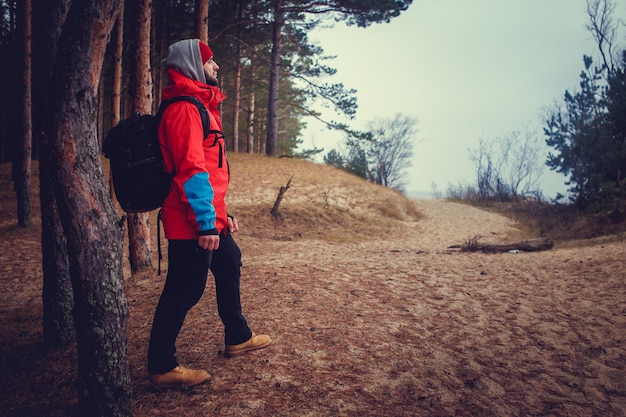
[[382, 154], [604, 30], [482, 157], [507, 167], [526, 163], [391, 150]]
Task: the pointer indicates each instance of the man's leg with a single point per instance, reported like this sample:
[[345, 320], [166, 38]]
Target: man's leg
[[226, 268], [185, 283]]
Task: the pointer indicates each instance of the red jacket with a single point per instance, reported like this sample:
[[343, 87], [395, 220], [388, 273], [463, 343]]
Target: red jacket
[[195, 204]]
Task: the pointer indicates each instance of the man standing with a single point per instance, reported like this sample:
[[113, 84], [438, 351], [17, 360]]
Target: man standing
[[196, 224]]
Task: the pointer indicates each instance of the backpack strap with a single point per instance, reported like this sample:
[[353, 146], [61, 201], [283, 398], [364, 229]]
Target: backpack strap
[[160, 253], [204, 113]]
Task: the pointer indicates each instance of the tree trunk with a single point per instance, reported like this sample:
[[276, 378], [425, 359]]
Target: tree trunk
[[159, 46], [251, 103], [201, 21], [57, 296], [262, 129], [91, 225], [22, 180], [272, 105], [116, 105], [116, 113], [237, 97], [141, 96], [11, 92]]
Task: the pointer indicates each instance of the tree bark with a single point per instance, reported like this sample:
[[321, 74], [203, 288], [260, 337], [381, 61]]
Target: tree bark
[[116, 104], [116, 114], [11, 92], [201, 22], [159, 46], [272, 106], [91, 225], [57, 296], [261, 130], [141, 96], [22, 180], [236, 98], [251, 109]]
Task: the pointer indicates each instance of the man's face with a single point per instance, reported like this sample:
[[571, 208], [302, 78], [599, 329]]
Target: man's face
[[210, 69]]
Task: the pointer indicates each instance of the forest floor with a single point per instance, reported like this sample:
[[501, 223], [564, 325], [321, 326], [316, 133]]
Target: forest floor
[[370, 311]]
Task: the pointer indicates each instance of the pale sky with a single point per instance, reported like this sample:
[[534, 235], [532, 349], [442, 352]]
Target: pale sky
[[466, 69]]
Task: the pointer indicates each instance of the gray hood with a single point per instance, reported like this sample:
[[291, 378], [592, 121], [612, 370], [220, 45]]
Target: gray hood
[[185, 57]]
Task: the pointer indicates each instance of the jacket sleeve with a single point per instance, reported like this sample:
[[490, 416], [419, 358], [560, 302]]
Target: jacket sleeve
[[181, 133]]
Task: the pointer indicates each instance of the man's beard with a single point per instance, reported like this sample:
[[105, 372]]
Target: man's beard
[[210, 80]]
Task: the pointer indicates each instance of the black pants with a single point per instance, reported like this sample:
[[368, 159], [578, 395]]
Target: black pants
[[186, 279]]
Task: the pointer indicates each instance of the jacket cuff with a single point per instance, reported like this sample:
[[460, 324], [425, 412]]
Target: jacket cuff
[[207, 232]]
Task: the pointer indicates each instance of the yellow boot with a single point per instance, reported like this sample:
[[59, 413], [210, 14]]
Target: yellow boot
[[255, 342], [179, 377]]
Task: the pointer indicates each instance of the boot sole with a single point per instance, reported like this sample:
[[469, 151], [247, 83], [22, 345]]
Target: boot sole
[[178, 385]]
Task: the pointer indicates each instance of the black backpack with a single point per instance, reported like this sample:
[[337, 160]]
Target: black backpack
[[132, 146]]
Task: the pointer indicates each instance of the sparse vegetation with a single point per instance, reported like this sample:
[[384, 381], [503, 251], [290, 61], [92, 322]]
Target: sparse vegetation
[[382, 154], [566, 224], [322, 203]]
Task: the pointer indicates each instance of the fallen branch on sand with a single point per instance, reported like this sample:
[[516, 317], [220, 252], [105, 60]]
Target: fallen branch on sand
[[529, 245]]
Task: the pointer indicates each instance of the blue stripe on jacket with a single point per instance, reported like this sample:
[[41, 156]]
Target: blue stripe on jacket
[[200, 194]]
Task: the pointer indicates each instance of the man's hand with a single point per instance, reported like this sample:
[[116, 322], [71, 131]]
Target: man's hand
[[233, 225], [209, 242]]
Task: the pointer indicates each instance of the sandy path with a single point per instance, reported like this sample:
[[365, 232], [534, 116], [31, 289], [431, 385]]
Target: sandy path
[[448, 223], [406, 327]]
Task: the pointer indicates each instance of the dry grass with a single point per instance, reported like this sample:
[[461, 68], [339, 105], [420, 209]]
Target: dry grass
[[567, 225], [322, 202]]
